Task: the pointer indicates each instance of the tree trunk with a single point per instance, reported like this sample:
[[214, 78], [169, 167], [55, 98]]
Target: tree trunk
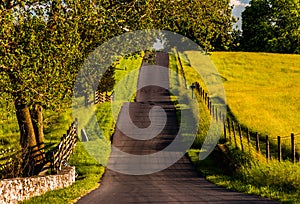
[[86, 99], [32, 156], [27, 134], [94, 95], [37, 119]]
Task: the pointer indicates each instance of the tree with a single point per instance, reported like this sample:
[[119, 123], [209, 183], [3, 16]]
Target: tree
[[206, 22], [107, 82], [43, 44], [38, 42], [271, 26]]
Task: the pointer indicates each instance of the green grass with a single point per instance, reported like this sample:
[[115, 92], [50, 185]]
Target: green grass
[[201, 112], [262, 90], [274, 180], [9, 129], [126, 76], [186, 108]]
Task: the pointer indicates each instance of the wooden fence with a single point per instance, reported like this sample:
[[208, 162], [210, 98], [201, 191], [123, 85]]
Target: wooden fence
[[64, 149], [20, 162], [102, 97], [247, 140], [13, 162]]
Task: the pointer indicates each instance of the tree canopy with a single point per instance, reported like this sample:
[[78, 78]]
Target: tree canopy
[[43, 44], [272, 26]]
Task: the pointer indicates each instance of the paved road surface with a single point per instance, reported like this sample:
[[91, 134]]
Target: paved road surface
[[179, 183]]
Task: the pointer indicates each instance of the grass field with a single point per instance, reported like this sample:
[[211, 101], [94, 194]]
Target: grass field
[[263, 90]]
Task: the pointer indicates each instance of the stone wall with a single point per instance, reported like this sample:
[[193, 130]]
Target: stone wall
[[18, 189]]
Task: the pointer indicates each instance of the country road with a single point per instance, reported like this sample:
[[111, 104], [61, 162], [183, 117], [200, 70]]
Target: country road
[[178, 183]]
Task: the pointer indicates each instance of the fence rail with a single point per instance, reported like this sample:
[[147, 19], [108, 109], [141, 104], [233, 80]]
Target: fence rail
[[102, 97], [62, 152], [15, 163], [65, 147], [243, 138]]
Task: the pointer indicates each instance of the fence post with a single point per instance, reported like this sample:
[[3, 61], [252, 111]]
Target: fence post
[[225, 130], [279, 148], [200, 91], [267, 148], [76, 125], [228, 122], [233, 130], [248, 139], [208, 102], [221, 116], [52, 163], [293, 147], [241, 137], [257, 143]]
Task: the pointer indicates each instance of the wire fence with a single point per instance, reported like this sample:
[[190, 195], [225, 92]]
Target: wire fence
[[281, 148]]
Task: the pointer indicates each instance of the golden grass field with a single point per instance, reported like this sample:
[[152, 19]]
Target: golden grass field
[[262, 89]]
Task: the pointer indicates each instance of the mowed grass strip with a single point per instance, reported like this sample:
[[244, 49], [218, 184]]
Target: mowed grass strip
[[191, 76]]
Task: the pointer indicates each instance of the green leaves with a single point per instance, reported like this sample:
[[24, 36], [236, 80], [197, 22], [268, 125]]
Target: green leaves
[[45, 43], [272, 26]]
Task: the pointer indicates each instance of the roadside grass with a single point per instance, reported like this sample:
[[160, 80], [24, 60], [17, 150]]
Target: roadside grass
[[273, 180], [187, 109], [200, 112], [126, 76]]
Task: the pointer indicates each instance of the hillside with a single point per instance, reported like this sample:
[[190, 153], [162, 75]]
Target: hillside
[[262, 89]]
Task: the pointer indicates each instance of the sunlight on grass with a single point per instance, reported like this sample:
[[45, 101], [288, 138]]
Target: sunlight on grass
[[274, 180], [177, 84], [262, 90]]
